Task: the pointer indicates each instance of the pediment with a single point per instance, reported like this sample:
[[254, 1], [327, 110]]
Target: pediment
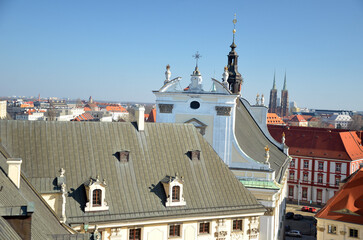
[[196, 122]]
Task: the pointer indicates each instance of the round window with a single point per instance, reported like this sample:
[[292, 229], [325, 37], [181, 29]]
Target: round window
[[194, 105]]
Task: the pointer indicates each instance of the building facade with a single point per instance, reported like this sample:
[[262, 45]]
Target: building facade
[[342, 216], [237, 132], [321, 158]]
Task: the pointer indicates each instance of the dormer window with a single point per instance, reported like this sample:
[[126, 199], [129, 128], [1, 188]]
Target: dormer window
[[173, 187], [96, 193]]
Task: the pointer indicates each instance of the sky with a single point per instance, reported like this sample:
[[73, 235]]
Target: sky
[[117, 50]]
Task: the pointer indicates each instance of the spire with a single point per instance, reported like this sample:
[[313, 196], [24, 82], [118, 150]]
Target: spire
[[234, 79], [284, 88], [274, 84]]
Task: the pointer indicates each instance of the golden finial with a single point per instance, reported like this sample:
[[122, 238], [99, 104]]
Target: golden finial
[[267, 149], [283, 134], [234, 24]]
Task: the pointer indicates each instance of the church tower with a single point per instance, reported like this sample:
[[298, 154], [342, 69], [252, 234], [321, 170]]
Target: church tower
[[284, 100], [272, 106], [235, 79]]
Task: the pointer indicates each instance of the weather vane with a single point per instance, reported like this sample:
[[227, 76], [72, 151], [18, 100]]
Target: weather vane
[[197, 56], [234, 25]]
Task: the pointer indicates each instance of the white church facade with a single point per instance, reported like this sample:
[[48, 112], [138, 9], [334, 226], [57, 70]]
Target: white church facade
[[238, 133]]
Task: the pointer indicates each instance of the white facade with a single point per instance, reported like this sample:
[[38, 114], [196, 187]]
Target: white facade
[[339, 120], [213, 113]]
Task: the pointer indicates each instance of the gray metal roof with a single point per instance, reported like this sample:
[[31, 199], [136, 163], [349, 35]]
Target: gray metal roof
[[253, 141], [134, 190], [14, 202]]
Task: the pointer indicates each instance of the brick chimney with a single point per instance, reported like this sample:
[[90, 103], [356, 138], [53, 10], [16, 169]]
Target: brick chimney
[[140, 117], [14, 170]]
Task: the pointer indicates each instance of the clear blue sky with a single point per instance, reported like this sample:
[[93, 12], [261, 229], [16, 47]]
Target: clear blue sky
[[118, 50]]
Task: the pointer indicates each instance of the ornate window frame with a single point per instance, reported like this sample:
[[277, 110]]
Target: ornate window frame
[[95, 186]]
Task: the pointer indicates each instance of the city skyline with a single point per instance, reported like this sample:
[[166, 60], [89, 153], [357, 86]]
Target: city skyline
[[118, 51]]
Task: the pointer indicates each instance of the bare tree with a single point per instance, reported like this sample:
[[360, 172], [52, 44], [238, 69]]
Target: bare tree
[[356, 123]]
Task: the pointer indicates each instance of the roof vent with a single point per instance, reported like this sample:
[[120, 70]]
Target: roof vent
[[194, 155]]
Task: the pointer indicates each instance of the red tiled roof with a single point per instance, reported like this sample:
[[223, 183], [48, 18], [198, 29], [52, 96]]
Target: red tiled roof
[[84, 117], [347, 204], [297, 118], [152, 116], [319, 142], [115, 108], [310, 118], [87, 109], [273, 118]]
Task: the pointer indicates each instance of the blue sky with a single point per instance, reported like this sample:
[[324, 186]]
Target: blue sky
[[118, 50]]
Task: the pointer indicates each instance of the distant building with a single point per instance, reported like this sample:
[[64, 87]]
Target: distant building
[[342, 216], [3, 107], [273, 118], [280, 107], [297, 120], [339, 120], [321, 158]]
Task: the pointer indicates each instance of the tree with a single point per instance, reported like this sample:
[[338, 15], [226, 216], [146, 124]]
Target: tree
[[356, 123]]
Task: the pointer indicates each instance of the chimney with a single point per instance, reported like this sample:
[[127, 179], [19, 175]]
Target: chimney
[[14, 170], [140, 117]]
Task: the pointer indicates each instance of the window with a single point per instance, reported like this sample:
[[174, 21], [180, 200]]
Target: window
[[332, 229], [320, 178], [292, 163], [194, 105], [306, 177], [292, 175], [304, 193], [204, 227], [96, 197], [337, 180], [306, 164], [319, 195], [237, 225], [321, 166], [174, 230], [291, 191], [135, 234], [338, 167], [353, 233], [176, 194]]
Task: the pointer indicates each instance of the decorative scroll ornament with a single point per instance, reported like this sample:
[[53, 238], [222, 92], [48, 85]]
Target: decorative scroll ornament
[[166, 108], [223, 111]]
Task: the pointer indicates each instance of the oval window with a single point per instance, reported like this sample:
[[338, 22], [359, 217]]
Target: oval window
[[194, 105]]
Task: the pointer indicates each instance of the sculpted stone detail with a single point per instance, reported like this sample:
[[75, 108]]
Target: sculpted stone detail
[[223, 111], [237, 235], [166, 108], [269, 212], [321, 229]]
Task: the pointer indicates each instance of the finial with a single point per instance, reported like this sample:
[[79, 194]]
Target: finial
[[267, 148], [262, 100], [197, 56], [62, 172], [98, 178], [267, 155], [104, 181], [274, 84], [258, 99], [225, 76], [283, 138], [234, 26]]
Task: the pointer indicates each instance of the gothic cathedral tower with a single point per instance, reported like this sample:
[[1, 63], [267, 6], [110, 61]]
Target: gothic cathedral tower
[[284, 100], [272, 106]]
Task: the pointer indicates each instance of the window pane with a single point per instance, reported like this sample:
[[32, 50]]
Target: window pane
[[175, 194], [96, 197]]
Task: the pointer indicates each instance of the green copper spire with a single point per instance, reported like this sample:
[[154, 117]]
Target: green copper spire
[[274, 85], [284, 82]]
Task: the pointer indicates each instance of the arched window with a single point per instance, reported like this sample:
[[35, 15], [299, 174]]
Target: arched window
[[96, 197], [176, 194]]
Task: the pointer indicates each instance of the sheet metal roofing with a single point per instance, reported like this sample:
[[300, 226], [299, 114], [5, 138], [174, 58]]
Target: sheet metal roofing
[[320, 142], [347, 204], [13, 200], [253, 142], [134, 190]]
